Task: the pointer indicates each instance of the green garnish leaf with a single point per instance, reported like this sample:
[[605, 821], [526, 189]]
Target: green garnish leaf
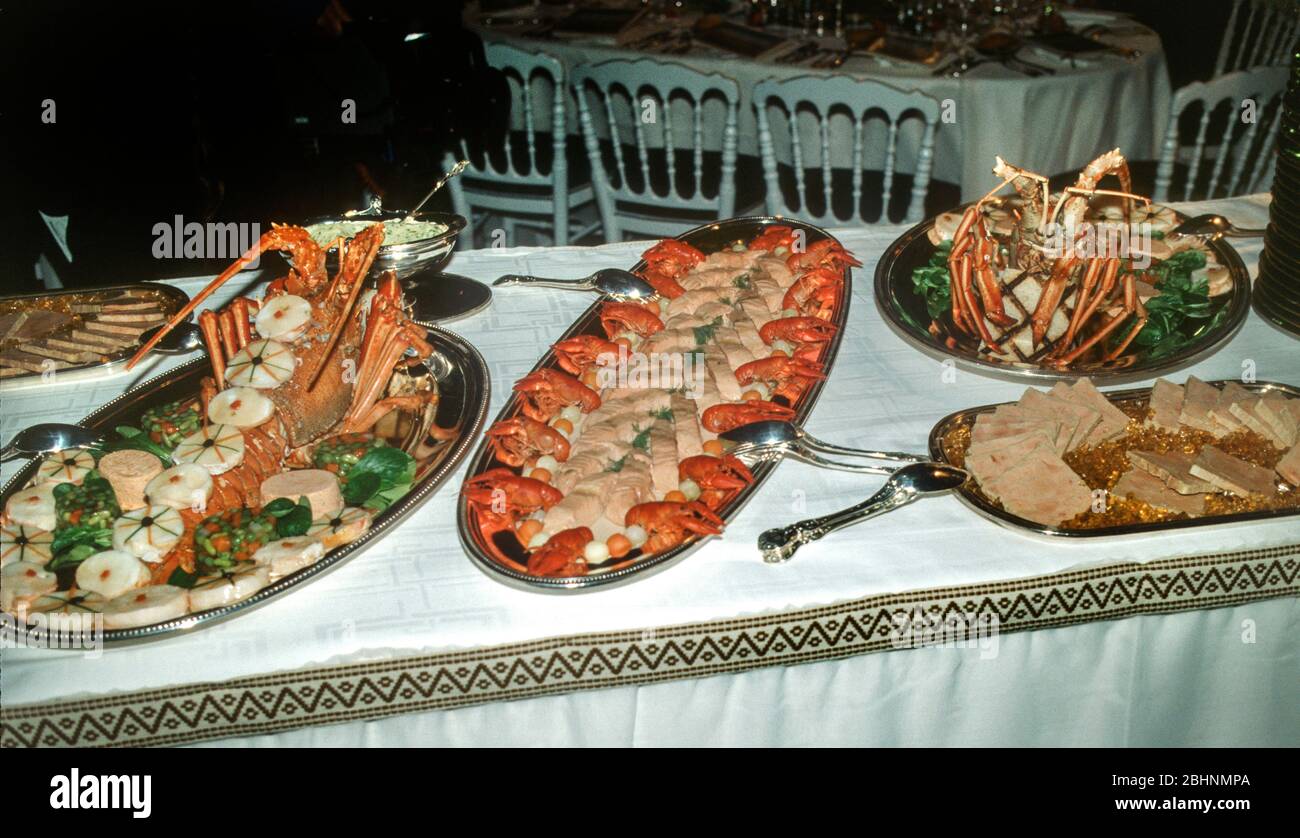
[[279, 507], [182, 579], [931, 282], [379, 471], [704, 334], [618, 464], [642, 440], [361, 487], [296, 521]]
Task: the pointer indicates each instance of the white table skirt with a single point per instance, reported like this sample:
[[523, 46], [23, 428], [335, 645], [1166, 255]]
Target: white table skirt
[[416, 596], [1048, 124], [1171, 680]]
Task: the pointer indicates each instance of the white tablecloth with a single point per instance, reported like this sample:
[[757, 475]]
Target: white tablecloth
[[1048, 124], [1176, 678]]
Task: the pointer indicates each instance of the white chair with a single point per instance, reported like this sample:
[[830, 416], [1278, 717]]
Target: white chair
[[825, 98], [528, 187], [653, 112], [1224, 101], [1263, 36]]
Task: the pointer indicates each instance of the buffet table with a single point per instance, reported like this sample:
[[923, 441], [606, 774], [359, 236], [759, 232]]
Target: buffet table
[[1184, 638], [1086, 105]]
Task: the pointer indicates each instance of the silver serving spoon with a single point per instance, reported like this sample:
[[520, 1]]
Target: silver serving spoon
[[612, 282], [185, 338], [773, 440], [1213, 226], [904, 486], [442, 181], [47, 437]]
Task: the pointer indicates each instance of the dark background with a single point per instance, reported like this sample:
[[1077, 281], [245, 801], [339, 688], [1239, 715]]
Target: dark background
[[230, 111]]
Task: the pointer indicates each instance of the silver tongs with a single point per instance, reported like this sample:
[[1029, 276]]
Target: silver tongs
[[760, 442], [611, 282], [903, 486]]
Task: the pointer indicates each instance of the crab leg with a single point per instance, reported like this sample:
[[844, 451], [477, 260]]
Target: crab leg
[[243, 331], [990, 294], [959, 272], [370, 248], [973, 308], [1102, 292], [1132, 303], [211, 337], [1086, 289], [1051, 297], [1092, 341]]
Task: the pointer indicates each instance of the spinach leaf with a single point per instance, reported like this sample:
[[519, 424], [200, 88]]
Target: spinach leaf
[[296, 521], [72, 545], [182, 578], [279, 507], [1173, 314], [361, 487], [381, 500], [931, 282]]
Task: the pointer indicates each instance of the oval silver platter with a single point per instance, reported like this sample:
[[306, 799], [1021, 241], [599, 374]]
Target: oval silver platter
[[708, 238], [987, 509], [438, 437], [172, 300], [905, 311]]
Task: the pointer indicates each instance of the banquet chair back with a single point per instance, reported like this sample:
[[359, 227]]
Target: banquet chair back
[[1241, 103], [821, 99], [499, 179], [652, 112], [1259, 33]]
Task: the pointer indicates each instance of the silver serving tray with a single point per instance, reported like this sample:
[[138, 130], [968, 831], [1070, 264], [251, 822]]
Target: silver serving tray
[[897, 301], [708, 238], [1000, 516], [438, 439], [173, 300]]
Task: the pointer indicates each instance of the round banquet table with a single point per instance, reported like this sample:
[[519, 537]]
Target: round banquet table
[[1047, 124], [1179, 638]]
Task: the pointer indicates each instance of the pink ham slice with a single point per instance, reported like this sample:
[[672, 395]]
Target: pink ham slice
[[1277, 412], [1079, 418], [1221, 413], [1150, 489], [1289, 466], [1199, 399], [1113, 422], [1042, 489], [1166, 404], [1246, 412], [1230, 474], [1174, 468]]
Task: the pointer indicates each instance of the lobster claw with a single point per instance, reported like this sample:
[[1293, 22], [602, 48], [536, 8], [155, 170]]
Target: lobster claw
[[711, 472], [721, 418], [562, 554]]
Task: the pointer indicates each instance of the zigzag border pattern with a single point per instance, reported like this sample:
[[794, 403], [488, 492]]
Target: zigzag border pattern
[[349, 692]]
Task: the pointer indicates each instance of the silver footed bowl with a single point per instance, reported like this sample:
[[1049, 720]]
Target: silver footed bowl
[[407, 259]]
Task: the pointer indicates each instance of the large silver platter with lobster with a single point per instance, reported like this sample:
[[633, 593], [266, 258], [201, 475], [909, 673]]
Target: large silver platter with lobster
[[1086, 282], [606, 465], [322, 416]]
